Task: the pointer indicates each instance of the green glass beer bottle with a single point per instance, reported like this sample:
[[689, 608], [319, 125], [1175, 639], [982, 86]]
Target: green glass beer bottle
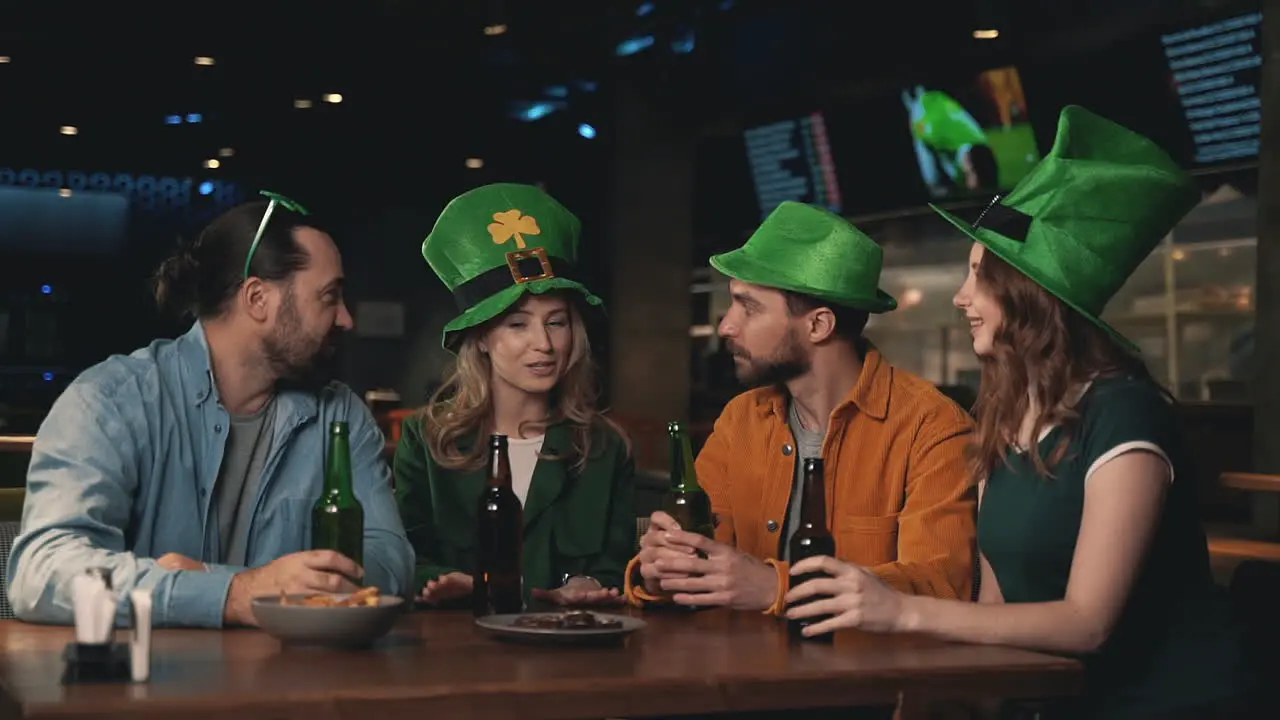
[[337, 519], [685, 500]]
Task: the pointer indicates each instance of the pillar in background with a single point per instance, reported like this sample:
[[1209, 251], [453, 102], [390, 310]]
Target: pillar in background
[[1266, 426], [652, 233]]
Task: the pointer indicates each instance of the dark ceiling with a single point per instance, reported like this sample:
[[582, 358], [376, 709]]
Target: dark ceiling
[[424, 86]]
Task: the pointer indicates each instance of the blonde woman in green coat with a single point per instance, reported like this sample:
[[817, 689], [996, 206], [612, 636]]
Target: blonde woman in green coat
[[523, 369]]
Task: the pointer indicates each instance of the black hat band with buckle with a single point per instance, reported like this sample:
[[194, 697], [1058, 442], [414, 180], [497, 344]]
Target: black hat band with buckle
[[522, 267], [1002, 219]]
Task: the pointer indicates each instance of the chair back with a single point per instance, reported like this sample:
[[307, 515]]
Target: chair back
[[8, 533]]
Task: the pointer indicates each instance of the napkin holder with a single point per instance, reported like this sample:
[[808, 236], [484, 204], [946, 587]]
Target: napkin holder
[[93, 663], [95, 656]]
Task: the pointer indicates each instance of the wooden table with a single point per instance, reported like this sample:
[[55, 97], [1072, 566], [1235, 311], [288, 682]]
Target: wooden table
[[439, 665]]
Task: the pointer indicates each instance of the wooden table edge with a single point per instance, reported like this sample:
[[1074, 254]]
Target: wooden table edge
[[571, 698]]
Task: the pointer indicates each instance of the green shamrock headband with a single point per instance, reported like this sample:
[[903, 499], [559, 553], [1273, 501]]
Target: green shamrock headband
[[276, 199]]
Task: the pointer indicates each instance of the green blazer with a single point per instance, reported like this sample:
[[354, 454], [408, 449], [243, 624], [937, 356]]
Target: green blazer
[[574, 523]]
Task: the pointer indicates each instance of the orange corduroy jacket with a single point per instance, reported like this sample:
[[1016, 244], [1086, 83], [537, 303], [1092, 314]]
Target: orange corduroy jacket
[[900, 500]]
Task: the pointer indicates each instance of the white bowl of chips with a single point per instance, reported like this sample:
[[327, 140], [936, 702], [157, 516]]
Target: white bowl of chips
[[352, 620]]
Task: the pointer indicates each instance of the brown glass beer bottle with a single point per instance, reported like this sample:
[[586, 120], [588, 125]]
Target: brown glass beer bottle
[[498, 581]]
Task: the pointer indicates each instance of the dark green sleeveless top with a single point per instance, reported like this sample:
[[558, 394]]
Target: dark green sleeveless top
[[1175, 645]]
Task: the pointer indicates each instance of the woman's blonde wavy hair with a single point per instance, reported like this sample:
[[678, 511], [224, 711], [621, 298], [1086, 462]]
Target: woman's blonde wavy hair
[[462, 408]]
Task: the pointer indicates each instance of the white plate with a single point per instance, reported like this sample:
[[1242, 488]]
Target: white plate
[[504, 626]]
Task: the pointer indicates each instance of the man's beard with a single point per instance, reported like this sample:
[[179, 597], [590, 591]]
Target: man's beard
[[295, 359], [787, 362]]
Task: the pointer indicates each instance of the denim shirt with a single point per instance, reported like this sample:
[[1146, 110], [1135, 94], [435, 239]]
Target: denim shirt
[[123, 469]]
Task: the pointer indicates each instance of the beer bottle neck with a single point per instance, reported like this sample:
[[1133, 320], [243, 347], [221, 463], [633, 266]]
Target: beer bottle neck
[[684, 476], [337, 478], [813, 506], [499, 470]]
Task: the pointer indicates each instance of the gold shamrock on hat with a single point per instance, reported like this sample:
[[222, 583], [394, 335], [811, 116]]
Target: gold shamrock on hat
[[513, 224]]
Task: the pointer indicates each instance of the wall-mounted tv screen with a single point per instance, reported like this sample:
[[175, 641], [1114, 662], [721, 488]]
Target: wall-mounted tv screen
[[791, 160], [972, 137], [1215, 68]]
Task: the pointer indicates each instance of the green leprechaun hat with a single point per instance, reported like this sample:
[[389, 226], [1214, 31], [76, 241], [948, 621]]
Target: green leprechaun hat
[[1088, 214], [812, 251], [493, 244]]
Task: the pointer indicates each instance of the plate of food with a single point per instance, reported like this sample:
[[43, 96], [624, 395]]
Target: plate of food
[[336, 620], [564, 627]]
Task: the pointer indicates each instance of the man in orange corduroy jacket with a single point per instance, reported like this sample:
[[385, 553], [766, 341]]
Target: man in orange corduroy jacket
[[899, 497]]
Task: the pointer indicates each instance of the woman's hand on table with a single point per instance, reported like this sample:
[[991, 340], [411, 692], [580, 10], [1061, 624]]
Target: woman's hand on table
[[853, 596], [449, 586], [580, 591]]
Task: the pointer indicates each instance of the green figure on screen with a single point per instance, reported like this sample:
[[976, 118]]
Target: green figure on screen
[[948, 140]]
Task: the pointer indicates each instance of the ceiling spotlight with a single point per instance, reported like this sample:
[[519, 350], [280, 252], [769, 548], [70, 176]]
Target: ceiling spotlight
[[226, 152], [69, 130], [495, 29], [334, 98], [64, 192], [4, 59], [212, 163], [302, 104], [475, 163], [204, 60], [986, 34]]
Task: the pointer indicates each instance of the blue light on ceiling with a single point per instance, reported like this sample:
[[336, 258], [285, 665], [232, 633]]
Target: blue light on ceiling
[[586, 131], [194, 117], [535, 111], [644, 9], [683, 42], [557, 91], [634, 45], [206, 188], [172, 119], [46, 290], [48, 377]]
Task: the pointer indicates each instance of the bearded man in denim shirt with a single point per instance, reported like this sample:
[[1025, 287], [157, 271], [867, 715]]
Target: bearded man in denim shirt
[[190, 466]]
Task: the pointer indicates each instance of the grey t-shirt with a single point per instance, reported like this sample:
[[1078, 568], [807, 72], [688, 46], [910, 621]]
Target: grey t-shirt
[[808, 445], [234, 494]]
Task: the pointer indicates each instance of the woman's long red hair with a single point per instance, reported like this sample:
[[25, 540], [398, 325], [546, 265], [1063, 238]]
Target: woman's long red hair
[[1043, 350]]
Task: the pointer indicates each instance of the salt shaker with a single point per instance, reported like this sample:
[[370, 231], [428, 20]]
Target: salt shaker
[[140, 644]]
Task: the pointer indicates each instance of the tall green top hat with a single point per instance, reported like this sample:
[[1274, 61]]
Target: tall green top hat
[[493, 244], [1087, 215], [814, 252]]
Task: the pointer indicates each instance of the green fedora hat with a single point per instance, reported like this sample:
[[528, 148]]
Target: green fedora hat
[[812, 251], [493, 244], [1083, 219]]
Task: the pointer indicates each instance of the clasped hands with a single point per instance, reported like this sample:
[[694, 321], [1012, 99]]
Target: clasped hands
[[851, 595], [722, 576]]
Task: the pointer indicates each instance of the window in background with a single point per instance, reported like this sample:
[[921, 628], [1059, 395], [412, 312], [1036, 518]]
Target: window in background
[[1189, 306]]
